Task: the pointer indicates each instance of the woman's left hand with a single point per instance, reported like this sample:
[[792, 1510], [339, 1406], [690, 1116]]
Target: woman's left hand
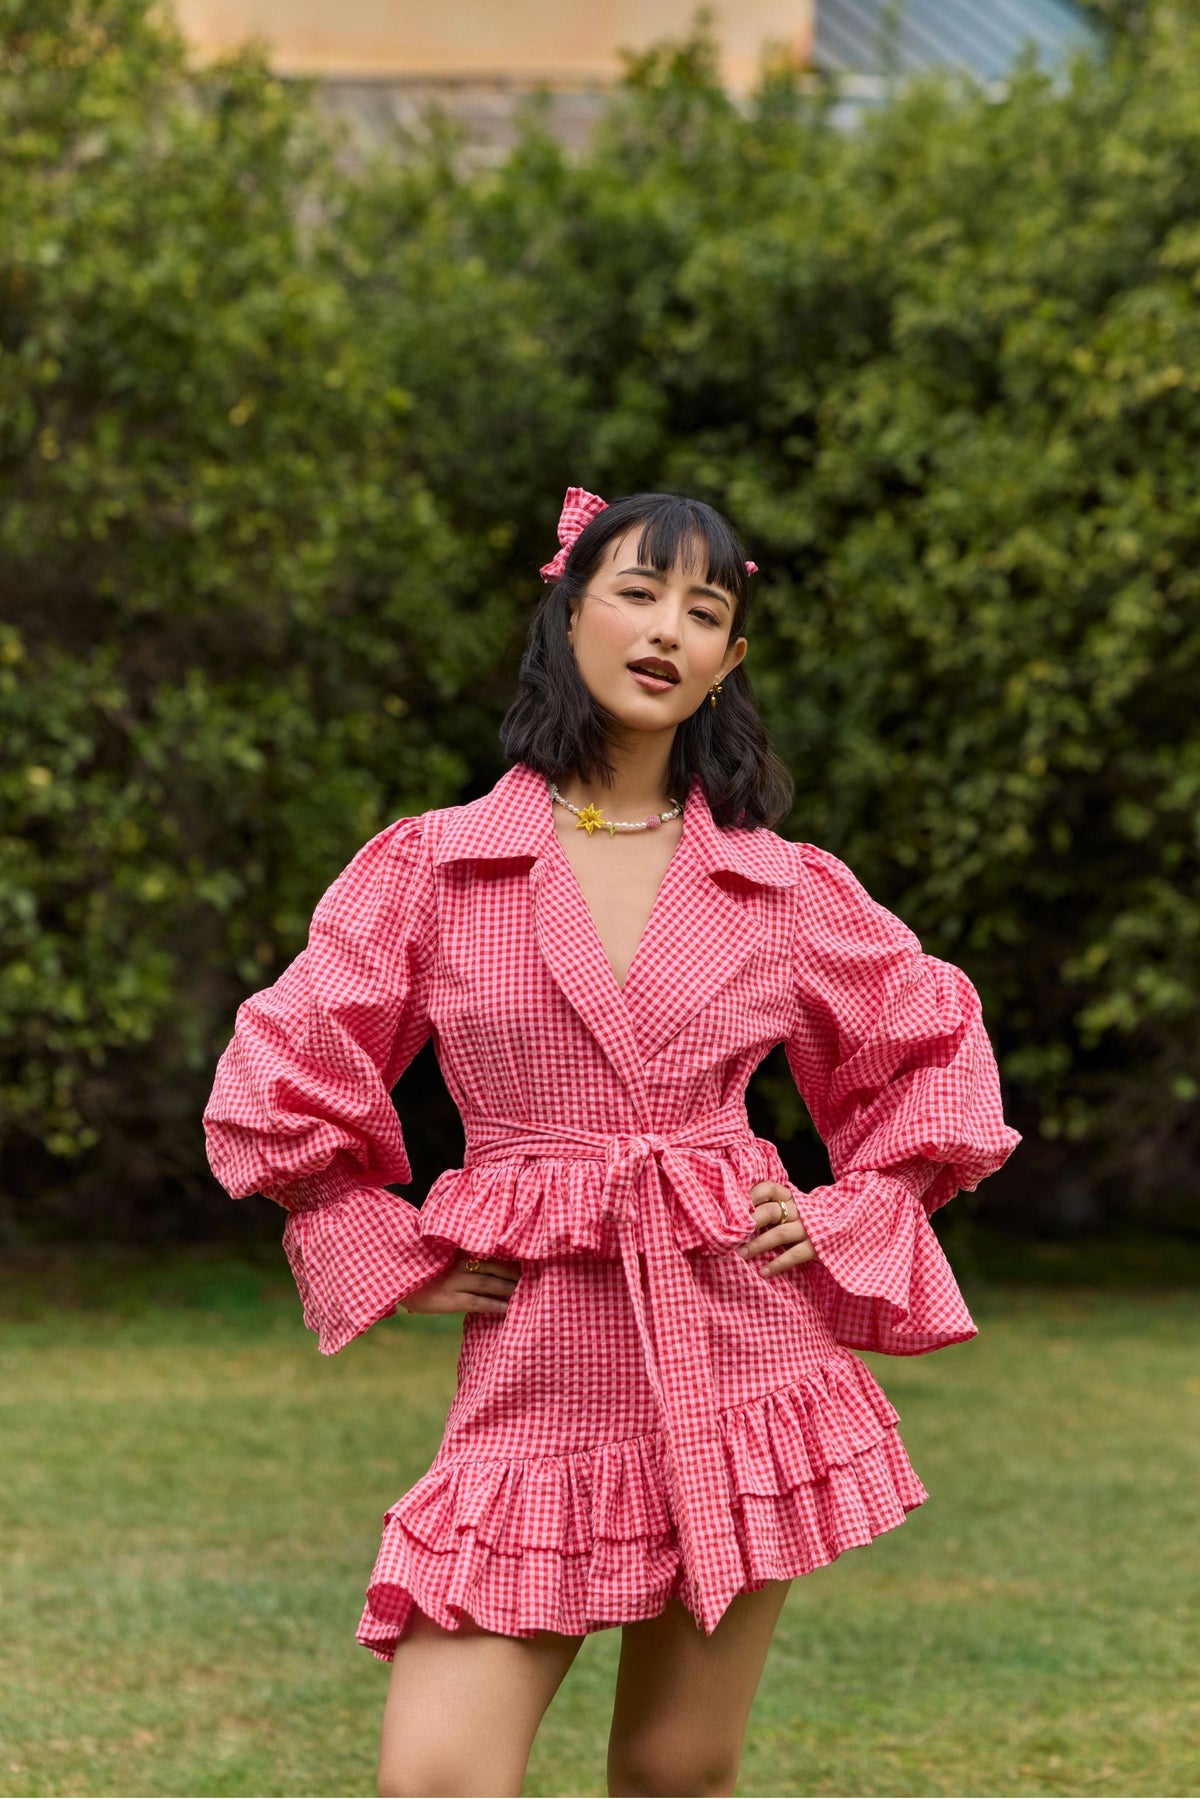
[[790, 1237]]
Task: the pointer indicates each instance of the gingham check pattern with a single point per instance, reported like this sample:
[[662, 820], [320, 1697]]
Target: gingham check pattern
[[606, 1126]]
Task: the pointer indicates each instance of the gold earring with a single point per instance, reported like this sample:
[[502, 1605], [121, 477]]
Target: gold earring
[[713, 691]]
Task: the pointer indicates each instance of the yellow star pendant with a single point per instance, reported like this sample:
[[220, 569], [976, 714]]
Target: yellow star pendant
[[591, 818]]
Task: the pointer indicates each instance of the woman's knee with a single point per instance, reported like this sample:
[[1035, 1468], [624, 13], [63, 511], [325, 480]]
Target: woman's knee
[[446, 1773], [661, 1765], [463, 1706], [403, 1779]]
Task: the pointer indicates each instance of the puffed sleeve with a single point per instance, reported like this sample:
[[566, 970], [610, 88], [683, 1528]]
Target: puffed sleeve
[[891, 1057], [301, 1107]]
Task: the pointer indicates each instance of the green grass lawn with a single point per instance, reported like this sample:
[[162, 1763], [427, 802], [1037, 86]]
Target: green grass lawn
[[192, 1499]]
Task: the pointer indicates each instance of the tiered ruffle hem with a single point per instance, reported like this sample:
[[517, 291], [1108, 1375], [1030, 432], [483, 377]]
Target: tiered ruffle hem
[[573, 1543]]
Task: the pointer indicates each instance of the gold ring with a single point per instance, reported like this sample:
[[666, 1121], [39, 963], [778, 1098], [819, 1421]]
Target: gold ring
[[783, 1217], [473, 1264]]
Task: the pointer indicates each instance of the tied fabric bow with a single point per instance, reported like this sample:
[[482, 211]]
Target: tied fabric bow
[[579, 508]]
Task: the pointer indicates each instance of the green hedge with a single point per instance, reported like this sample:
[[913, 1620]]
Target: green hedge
[[282, 441]]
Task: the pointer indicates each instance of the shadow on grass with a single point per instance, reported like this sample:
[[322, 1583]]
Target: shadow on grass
[[237, 1281]]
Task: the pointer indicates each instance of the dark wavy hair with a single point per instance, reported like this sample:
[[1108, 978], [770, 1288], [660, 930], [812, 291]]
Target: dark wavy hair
[[556, 727]]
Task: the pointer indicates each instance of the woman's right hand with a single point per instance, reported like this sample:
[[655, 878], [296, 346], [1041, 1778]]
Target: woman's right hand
[[461, 1289]]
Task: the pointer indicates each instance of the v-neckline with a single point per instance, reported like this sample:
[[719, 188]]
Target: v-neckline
[[622, 987]]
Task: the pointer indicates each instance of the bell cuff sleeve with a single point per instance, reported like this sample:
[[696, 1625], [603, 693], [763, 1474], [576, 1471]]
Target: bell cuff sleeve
[[891, 1057], [356, 1255], [301, 1107]]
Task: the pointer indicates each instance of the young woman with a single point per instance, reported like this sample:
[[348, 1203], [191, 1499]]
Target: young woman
[[660, 1420]]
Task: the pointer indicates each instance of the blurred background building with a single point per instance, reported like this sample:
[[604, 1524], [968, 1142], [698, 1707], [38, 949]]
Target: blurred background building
[[385, 62]]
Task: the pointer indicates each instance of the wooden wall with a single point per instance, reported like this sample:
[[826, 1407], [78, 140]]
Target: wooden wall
[[561, 42]]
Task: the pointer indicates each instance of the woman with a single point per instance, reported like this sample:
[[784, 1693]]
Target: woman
[[660, 1420]]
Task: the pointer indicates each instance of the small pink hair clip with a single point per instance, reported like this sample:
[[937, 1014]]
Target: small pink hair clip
[[579, 508]]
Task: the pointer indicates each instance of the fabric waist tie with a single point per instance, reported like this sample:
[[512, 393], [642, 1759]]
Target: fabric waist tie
[[642, 1173]]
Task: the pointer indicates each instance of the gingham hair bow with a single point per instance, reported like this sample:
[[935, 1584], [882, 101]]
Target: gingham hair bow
[[579, 508]]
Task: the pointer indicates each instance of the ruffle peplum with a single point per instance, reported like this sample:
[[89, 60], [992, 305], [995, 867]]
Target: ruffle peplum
[[537, 1208], [573, 1543], [881, 1280]]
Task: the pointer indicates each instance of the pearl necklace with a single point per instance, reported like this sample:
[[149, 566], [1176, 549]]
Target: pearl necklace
[[590, 818]]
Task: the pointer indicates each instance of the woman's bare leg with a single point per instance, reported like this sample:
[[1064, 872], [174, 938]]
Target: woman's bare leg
[[463, 1707], [683, 1699]]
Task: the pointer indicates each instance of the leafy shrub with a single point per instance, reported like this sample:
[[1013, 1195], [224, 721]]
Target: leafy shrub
[[223, 661], [283, 437]]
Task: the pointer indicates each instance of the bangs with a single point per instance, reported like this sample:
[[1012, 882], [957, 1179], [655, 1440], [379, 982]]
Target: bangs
[[689, 534], [672, 532]]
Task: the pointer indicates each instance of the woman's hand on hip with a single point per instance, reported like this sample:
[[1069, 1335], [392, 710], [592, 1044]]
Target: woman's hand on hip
[[771, 1204], [470, 1284]]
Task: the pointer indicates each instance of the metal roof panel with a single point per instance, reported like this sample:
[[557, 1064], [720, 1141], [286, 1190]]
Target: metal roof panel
[[982, 37]]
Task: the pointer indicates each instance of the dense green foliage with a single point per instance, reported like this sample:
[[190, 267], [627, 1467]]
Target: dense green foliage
[[282, 440], [224, 659]]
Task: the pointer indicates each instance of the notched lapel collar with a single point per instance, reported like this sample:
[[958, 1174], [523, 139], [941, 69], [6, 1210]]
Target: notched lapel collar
[[702, 929], [704, 926], [698, 938], [574, 955], [515, 821], [510, 821]]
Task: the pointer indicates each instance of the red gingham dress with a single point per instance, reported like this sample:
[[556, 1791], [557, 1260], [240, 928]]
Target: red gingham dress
[[652, 1415]]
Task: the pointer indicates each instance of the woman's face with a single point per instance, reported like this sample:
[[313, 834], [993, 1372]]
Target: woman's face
[[630, 614]]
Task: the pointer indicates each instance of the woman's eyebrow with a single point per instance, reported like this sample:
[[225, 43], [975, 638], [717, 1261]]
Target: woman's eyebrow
[[654, 574]]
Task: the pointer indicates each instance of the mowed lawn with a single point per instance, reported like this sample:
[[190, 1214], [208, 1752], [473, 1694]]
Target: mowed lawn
[[192, 1499]]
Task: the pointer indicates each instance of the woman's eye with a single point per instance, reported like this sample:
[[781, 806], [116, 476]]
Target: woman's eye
[[639, 593]]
